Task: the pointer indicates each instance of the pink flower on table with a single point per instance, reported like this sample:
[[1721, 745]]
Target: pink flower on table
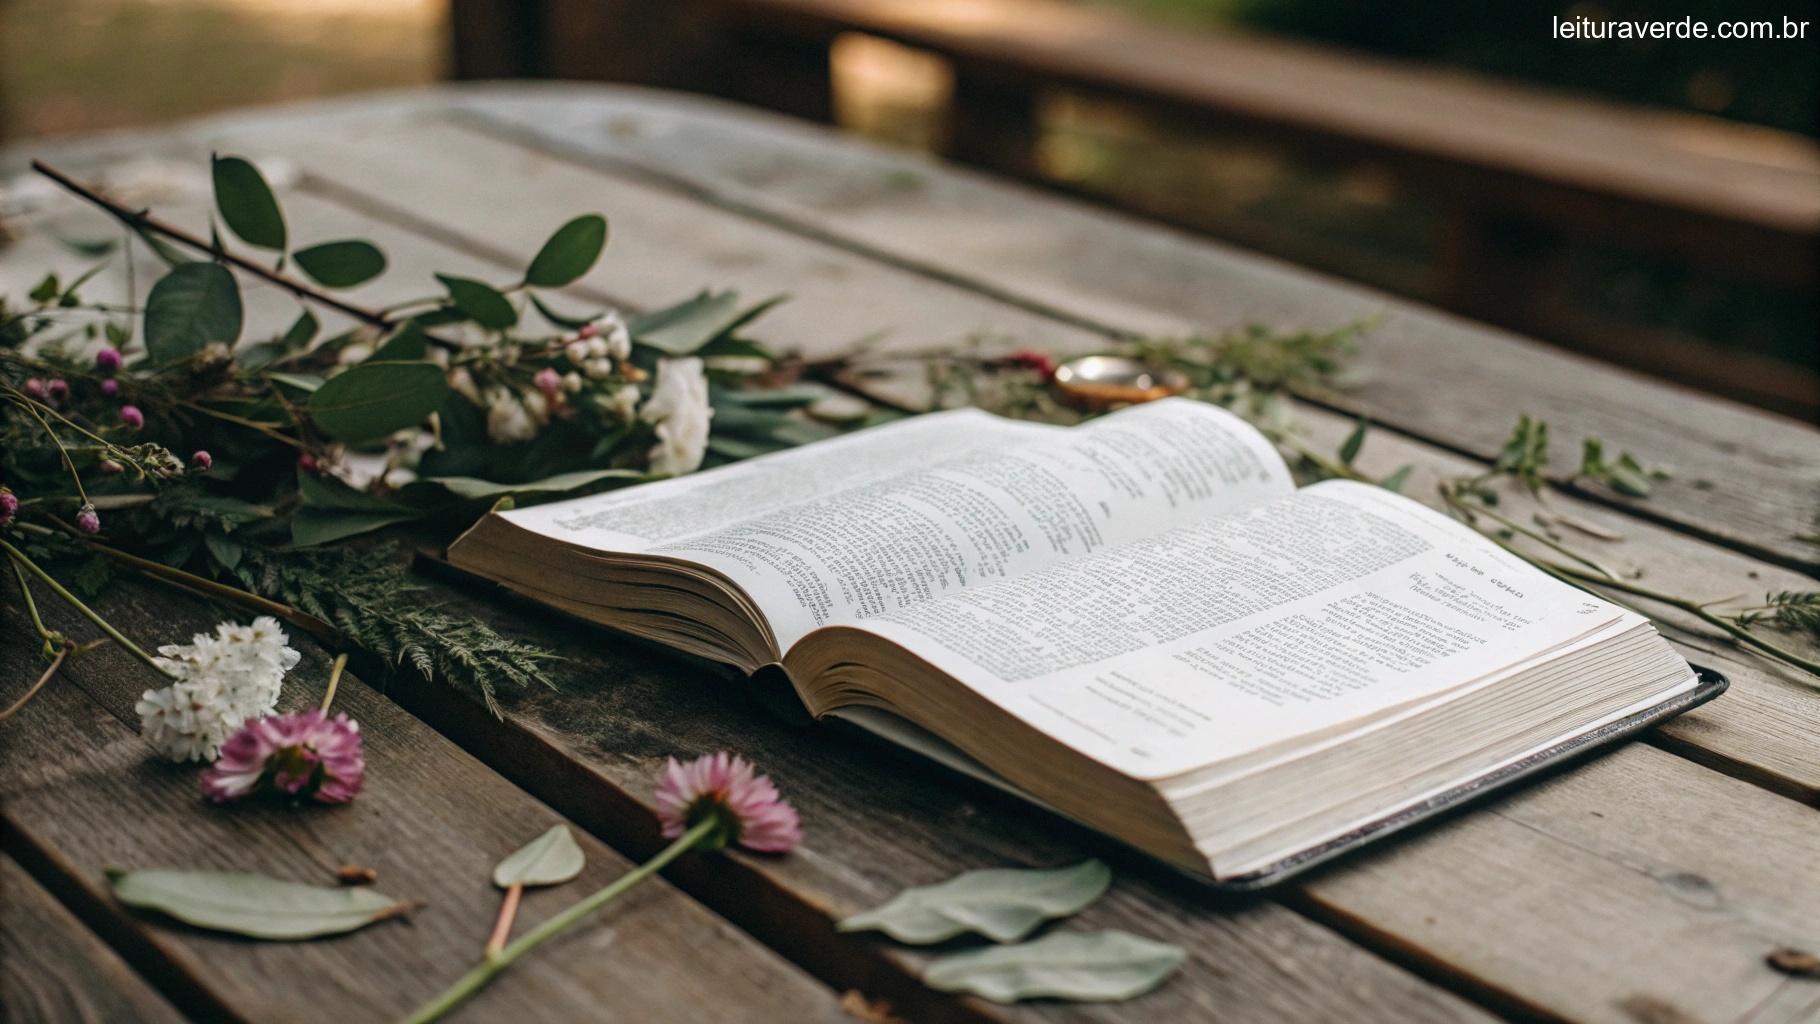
[[9, 504], [132, 417], [108, 360], [203, 461], [88, 520], [34, 388], [306, 754], [725, 786]]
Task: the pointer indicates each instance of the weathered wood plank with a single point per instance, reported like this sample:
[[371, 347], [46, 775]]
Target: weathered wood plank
[[1673, 906], [1745, 477], [55, 971], [431, 820], [562, 751]]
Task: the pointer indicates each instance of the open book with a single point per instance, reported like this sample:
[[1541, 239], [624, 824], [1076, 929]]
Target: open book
[[1139, 621]]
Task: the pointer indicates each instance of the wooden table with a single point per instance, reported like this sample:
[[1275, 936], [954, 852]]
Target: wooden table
[[1645, 887]]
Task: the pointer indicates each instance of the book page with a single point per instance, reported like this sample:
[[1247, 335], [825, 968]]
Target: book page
[[991, 512], [1182, 649], [878, 524], [637, 518]]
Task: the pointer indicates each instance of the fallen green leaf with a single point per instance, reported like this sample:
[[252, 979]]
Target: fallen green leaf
[[1003, 904], [551, 859], [1093, 966], [253, 905]]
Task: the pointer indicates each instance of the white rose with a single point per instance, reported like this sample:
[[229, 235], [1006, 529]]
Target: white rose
[[507, 420], [679, 407]]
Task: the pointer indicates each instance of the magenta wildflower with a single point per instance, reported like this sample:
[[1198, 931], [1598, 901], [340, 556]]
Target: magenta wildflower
[[9, 504], [108, 360], [305, 755], [87, 520], [549, 382], [132, 417], [202, 461], [110, 387], [58, 389], [308, 463], [727, 787], [34, 388]]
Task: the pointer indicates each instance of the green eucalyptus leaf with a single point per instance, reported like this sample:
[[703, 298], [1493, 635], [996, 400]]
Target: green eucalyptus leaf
[[341, 264], [551, 859], [1092, 966], [569, 252], [193, 305], [472, 487], [312, 526], [375, 398], [301, 332], [480, 301], [563, 320], [246, 202], [227, 550], [686, 327], [252, 905], [406, 343], [307, 383], [1354, 441], [1003, 904]]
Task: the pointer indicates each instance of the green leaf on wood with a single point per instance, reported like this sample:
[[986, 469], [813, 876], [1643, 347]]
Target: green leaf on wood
[[1093, 966], [569, 252], [253, 905], [246, 202], [1003, 904], [341, 264], [1395, 481], [193, 305], [480, 302], [375, 398], [551, 859]]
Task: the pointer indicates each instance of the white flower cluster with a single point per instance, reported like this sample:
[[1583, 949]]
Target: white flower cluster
[[680, 408], [220, 682]]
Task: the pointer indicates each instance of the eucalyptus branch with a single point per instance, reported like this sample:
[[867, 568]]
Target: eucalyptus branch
[[142, 220]]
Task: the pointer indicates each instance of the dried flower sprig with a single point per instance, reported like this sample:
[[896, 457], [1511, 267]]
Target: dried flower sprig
[[709, 803]]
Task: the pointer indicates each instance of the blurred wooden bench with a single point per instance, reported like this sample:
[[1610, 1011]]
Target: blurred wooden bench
[[1513, 167]]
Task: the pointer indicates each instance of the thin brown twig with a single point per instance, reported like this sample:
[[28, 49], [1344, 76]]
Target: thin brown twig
[[144, 221]]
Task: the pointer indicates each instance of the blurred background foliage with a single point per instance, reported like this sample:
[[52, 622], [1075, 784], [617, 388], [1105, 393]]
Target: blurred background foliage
[[71, 66]]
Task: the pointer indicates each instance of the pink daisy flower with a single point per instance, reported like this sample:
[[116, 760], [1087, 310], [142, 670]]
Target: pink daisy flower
[[306, 754], [727, 787]]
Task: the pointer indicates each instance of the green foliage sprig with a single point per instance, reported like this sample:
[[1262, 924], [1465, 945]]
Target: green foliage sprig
[[159, 438]]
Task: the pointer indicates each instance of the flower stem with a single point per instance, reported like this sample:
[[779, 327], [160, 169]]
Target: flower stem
[[57, 660], [484, 972], [115, 635], [51, 639], [341, 662], [309, 623], [1698, 610], [502, 929]]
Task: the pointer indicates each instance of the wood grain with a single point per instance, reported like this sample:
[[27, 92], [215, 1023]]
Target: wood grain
[[1765, 730], [84, 792], [1744, 477], [55, 971]]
